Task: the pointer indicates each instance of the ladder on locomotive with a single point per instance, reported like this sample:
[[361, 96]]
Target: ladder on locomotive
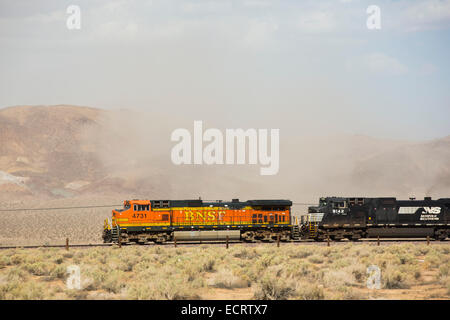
[[295, 232], [115, 234], [313, 226]]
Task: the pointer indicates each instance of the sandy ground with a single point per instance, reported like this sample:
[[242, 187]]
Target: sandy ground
[[26, 227]]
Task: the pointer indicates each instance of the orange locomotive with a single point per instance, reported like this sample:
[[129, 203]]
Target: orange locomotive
[[163, 220]]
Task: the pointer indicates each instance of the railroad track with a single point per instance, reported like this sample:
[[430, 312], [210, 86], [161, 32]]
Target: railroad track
[[230, 242]]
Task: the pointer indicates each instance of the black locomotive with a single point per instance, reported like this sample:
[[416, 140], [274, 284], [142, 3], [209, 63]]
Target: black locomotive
[[355, 218]]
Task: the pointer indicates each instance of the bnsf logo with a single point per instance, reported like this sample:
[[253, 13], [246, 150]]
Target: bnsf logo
[[435, 210]]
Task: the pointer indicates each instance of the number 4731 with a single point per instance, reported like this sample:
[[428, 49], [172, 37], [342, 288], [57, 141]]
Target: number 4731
[[140, 215]]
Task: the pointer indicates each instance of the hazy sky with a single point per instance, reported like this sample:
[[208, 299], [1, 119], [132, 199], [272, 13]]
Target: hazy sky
[[302, 66]]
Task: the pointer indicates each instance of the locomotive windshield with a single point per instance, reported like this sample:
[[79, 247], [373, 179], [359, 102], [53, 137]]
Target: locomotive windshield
[[340, 204]]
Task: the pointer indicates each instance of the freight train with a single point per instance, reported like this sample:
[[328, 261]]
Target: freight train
[[334, 218]]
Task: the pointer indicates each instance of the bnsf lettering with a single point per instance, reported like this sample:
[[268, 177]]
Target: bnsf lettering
[[203, 216]]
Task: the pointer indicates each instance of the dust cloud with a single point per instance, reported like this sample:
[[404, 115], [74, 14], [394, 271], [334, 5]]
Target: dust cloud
[[135, 148]]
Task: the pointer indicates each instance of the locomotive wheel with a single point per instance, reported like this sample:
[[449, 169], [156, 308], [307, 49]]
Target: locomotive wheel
[[161, 240], [440, 235]]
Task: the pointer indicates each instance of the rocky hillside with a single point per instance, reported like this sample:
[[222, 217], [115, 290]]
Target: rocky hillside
[[43, 152]]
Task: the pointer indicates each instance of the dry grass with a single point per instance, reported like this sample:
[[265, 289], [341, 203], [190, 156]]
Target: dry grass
[[261, 272]]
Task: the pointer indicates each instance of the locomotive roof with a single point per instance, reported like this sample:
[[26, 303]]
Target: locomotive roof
[[233, 203], [413, 200]]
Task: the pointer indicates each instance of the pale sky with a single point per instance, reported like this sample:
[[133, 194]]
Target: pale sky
[[301, 66]]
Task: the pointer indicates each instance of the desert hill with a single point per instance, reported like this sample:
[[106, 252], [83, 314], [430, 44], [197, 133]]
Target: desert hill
[[68, 151], [42, 149]]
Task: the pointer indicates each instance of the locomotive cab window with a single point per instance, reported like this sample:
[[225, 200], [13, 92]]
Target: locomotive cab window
[[340, 204]]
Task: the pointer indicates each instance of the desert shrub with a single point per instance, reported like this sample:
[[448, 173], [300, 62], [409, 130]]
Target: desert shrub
[[417, 274], [276, 270], [69, 254], [16, 290], [300, 253], [444, 270], [298, 270], [444, 249], [392, 278], [245, 253], [341, 263], [309, 291], [172, 288], [16, 274], [7, 288], [378, 250], [38, 268], [359, 272], [17, 259], [113, 281], [406, 258], [208, 264], [191, 271], [335, 278], [274, 288], [58, 259], [225, 278], [264, 261], [95, 275], [421, 250], [333, 254], [58, 272], [433, 260], [316, 259], [5, 261], [158, 250]]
